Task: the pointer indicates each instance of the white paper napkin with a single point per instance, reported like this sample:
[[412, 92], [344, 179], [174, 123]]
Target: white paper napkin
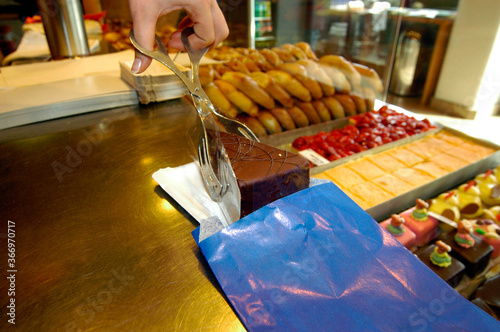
[[185, 185]]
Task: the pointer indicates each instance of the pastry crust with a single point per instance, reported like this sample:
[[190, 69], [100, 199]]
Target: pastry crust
[[347, 103], [298, 116], [270, 122], [300, 72], [338, 78], [253, 124], [272, 57], [310, 112], [319, 75], [345, 66], [220, 101], [284, 55], [307, 50], [369, 77], [276, 91], [237, 98], [295, 51], [322, 110], [359, 102], [249, 87], [290, 84], [334, 106], [284, 118]]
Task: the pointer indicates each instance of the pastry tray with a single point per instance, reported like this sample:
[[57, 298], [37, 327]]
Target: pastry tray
[[402, 202]]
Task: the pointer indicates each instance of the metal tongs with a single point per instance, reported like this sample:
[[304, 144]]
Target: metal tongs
[[216, 169]]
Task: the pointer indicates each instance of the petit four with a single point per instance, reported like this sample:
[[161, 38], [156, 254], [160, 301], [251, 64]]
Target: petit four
[[469, 202], [473, 252], [489, 232], [438, 259], [395, 225], [489, 188], [418, 220]]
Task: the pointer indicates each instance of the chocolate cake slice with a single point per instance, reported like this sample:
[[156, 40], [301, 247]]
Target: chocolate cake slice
[[264, 173], [451, 274], [475, 258]]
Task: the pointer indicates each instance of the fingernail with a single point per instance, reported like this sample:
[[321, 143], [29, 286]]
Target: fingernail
[[136, 66]]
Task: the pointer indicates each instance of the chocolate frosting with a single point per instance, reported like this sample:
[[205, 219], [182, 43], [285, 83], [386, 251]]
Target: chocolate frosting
[[264, 173]]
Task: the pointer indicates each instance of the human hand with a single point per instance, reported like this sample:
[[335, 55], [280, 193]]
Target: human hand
[[205, 16]]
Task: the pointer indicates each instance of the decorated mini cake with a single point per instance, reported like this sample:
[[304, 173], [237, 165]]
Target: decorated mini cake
[[489, 188], [419, 222], [492, 213], [437, 257], [446, 205], [264, 173], [469, 202], [395, 225], [473, 252], [489, 232]]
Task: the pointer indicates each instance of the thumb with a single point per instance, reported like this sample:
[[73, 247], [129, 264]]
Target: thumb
[[141, 63]]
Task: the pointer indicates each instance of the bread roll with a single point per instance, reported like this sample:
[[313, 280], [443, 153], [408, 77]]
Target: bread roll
[[295, 51], [206, 74], [238, 66], [253, 124], [307, 50], [272, 57], [250, 64], [360, 102], [260, 60], [222, 104], [284, 118], [345, 66], [276, 91], [322, 110], [318, 74], [369, 77], [249, 87], [269, 122], [285, 56], [347, 103], [335, 107], [298, 116], [237, 98], [339, 80], [300, 73], [220, 69], [310, 112], [290, 84]]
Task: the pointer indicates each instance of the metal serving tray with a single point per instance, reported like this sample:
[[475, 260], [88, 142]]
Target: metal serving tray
[[432, 189], [402, 202]]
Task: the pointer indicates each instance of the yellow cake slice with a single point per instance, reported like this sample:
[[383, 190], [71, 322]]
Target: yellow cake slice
[[423, 148], [386, 162], [407, 157], [449, 162], [370, 193], [449, 137], [392, 184], [343, 176], [412, 176], [366, 169], [481, 150], [431, 168], [464, 154]]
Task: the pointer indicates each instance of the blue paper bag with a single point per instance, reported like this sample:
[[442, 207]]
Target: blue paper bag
[[315, 261]]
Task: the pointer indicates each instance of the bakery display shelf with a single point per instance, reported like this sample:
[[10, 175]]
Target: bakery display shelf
[[285, 139], [451, 180]]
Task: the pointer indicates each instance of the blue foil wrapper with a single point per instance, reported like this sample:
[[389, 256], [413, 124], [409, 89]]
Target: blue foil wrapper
[[315, 261]]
